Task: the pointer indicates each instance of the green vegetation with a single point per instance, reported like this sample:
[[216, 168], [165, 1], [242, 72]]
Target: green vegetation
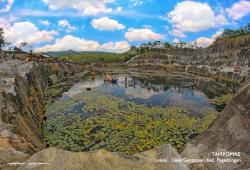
[[3, 41], [229, 33], [54, 68], [119, 125], [55, 91], [99, 57], [221, 101]]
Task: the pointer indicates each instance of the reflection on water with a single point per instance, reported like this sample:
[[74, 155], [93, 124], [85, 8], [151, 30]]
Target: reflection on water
[[149, 91]]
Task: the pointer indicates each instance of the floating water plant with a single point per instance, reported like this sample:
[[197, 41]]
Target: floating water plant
[[221, 101], [120, 125]]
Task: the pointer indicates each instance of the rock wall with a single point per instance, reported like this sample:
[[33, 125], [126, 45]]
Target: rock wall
[[234, 51], [23, 105], [229, 133], [22, 96]]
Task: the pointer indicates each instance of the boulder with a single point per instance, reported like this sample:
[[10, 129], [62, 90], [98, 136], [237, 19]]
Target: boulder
[[230, 133], [54, 158]]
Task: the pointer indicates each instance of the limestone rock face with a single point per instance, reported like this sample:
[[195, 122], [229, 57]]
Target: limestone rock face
[[22, 88], [234, 51], [104, 160], [229, 133]]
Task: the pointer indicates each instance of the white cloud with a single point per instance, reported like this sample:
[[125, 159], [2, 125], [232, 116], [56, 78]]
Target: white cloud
[[140, 93], [70, 42], [178, 33], [220, 19], [136, 2], [4, 23], [118, 9], [117, 47], [105, 23], [86, 7], [28, 32], [176, 41], [239, 9], [65, 24], [190, 16], [44, 22], [142, 35], [205, 42], [7, 7]]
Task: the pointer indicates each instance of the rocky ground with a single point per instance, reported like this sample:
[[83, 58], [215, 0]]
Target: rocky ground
[[105, 160]]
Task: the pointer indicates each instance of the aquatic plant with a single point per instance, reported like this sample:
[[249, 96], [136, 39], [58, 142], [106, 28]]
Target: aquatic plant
[[120, 125], [221, 101], [55, 91]]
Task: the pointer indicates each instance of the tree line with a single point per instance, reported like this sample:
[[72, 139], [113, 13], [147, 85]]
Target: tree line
[[158, 45], [230, 33]]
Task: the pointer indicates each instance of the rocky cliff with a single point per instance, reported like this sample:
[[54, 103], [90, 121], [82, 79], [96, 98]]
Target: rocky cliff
[[229, 133], [22, 89], [234, 51]]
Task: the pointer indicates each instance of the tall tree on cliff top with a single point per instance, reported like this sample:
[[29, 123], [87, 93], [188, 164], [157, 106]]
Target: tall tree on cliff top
[[23, 45], [2, 39]]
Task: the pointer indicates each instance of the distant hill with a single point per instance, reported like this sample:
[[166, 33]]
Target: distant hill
[[92, 56]]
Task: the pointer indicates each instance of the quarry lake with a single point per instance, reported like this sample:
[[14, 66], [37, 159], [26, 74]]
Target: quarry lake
[[133, 113], [147, 91]]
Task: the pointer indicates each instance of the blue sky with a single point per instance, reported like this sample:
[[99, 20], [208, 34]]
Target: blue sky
[[114, 25]]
